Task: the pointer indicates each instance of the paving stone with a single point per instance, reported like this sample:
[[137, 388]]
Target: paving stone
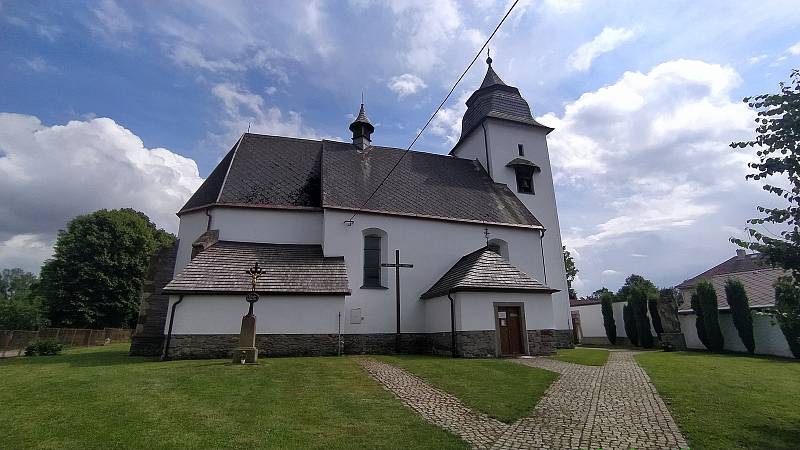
[[610, 407]]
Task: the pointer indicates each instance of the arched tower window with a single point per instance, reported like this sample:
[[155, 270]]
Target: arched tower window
[[500, 247], [374, 255]]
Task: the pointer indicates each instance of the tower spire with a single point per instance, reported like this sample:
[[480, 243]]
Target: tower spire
[[362, 128]]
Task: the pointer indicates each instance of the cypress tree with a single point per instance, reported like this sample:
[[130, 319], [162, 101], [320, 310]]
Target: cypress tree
[[630, 324], [638, 302], [698, 320], [708, 304], [606, 301], [652, 306], [787, 312], [740, 311]]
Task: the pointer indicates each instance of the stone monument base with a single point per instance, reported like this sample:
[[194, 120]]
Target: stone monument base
[[673, 342], [247, 354]]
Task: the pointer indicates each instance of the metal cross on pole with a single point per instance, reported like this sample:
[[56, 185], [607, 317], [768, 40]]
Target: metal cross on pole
[[397, 266]]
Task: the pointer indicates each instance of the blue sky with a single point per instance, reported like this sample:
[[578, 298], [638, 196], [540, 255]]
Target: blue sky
[[111, 104]]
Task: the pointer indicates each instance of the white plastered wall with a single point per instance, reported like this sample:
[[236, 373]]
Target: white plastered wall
[[289, 314], [591, 317], [475, 310], [272, 226], [433, 246], [503, 138]]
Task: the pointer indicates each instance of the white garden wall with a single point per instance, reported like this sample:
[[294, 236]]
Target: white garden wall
[[769, 338], [290, 314]]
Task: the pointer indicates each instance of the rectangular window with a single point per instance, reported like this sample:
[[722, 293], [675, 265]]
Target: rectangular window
[[524, 180], [521, 150], [372, 261]]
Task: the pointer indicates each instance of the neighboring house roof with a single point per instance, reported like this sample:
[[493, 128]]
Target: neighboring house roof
[[739, 263], [752, 270], [759, 285], [422, 185], [584, 301], [288, 269], [484, 270], [280, 172]]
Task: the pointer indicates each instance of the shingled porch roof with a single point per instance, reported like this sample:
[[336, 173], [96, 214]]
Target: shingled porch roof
[[288, 270], [484, 270]]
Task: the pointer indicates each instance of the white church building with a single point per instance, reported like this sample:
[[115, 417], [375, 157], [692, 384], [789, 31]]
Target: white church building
[[321, 217]]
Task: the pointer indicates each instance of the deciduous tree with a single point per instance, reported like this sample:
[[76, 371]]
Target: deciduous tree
[[95, 275]]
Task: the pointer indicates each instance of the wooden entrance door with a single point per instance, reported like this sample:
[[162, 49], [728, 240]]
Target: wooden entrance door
[[509, 325]]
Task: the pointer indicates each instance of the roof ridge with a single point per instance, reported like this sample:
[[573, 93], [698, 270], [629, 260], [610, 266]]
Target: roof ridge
[[230, 164], [286, 137]]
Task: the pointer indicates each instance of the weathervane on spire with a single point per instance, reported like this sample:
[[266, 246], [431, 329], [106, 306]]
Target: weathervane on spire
[[489, 56]]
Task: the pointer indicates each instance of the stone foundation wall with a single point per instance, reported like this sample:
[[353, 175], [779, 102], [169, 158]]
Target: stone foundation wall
[[563, 339], [470, 344], [148, 337]]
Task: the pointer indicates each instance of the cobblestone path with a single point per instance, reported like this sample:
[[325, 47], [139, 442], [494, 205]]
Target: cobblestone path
[[609, 407]]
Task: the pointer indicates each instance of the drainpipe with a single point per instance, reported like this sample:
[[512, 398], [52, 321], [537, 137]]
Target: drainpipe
[[165, 354], [544, 266], [486, 147], [453, 353], [208, 222]]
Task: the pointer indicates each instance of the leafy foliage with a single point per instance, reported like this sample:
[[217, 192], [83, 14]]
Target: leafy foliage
[[630, 324], [20, 302], [699, 323], [787, 312], [43, 348], [707, 299], [572, 271], [95, 276], [740, 312], [606, 307], [637, 291], [777, 145]]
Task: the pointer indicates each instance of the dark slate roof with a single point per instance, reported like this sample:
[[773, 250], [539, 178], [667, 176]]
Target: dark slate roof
[[423, 185], [495, 99], [289, 269], [584, 301], [484, 270], [265, 171], [744, 263]]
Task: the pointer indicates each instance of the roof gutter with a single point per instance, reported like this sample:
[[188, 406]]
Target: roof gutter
[[453, 351]]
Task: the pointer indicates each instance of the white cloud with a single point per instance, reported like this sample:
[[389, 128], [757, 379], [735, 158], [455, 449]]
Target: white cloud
[[447, 122], [38, 64], [611, 273], [50, 174], [795, 49], [650, 154], [757, 59], [243, 108], [608, 40], [406, 84], [111, 20]]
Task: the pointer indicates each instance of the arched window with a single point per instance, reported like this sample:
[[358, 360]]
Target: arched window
[[374, 254], [500, 247]]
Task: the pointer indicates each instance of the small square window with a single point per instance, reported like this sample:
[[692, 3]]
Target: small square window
[[521, 149]]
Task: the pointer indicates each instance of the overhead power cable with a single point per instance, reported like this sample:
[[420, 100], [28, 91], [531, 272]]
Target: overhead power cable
[[430, 119]]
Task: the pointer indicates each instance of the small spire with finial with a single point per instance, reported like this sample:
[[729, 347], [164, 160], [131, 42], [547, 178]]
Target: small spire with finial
[[489, 56]]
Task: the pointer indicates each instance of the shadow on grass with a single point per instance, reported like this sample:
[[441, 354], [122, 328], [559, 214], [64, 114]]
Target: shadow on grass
[[777, 359], [780, 437], [82, 359]]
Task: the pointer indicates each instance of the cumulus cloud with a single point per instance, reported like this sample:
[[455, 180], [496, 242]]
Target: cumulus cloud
[[243, 108], [447, 122], [650, 154], [49, 174], [608, 40], [406, 84]]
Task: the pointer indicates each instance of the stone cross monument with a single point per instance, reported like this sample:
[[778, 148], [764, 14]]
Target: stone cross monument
[[246, 352]]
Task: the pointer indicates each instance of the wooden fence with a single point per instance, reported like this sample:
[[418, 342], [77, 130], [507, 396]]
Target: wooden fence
[[13, 342]]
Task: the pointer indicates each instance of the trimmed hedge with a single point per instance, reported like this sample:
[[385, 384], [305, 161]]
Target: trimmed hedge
[[43, 348], [606, 302], [740, 312], [707, 298], [630, 324]]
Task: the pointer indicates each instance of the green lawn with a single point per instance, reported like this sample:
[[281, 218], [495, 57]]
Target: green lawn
[[585, 356], [502, 389], [100, 398], [730, 401]]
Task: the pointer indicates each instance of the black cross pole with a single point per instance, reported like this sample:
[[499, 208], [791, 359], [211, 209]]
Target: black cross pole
[[397, 266]]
